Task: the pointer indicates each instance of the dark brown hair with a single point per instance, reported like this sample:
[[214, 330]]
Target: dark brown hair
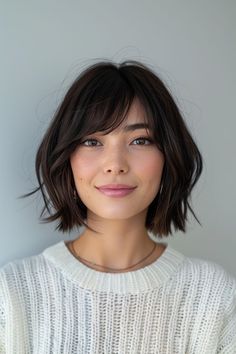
[[98, 100]]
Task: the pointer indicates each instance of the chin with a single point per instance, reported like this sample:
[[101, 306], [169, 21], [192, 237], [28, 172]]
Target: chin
[[116, 215]]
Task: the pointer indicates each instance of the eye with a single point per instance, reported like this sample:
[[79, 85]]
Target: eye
[[142, 138], [93, 142], [89, 140]]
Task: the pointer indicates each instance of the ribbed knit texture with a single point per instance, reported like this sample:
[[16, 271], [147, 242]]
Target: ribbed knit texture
[[53, 303]]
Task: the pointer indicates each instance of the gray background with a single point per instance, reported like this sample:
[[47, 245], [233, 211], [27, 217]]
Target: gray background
[[190, 44]]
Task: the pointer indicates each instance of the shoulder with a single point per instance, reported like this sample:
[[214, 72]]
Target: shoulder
[[208, 279], [206, 270], [22, 265], [206, 292], [24, 272]]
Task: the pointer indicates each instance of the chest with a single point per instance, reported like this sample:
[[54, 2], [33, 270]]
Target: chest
[[69, 320]]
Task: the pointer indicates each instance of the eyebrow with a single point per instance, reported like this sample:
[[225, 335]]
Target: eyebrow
[[135, 126]]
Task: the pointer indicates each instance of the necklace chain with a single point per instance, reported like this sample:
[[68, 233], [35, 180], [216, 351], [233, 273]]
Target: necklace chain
[[82, 259]]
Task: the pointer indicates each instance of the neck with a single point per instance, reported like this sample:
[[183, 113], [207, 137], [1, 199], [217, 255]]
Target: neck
[[115, 251], [119, 244], [117, 248]]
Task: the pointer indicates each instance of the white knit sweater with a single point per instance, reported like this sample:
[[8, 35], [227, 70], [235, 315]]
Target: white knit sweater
[[52, 303]]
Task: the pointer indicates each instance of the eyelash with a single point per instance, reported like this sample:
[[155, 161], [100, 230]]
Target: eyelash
[[140, 138]]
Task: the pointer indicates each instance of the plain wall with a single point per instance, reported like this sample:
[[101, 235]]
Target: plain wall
[[190, 44]]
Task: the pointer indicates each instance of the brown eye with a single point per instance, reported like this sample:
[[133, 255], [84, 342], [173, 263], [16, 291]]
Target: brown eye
[[144, 139], [89, 140]]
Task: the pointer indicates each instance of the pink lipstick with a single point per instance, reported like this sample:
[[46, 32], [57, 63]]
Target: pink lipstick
[[116, 190]]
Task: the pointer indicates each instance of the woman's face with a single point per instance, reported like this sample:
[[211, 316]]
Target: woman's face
[[120, 157]]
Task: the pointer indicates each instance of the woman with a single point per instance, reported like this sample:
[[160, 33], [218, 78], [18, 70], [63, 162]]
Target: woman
[[119, 160]]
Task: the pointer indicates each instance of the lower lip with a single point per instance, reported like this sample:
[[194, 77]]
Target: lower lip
[[116, 192]]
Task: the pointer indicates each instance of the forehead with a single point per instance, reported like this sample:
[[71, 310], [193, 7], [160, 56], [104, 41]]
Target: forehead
[[136, 112], [136, 118], [112, 117]]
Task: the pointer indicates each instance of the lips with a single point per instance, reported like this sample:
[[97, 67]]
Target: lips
[[118, 190], [116, 186]]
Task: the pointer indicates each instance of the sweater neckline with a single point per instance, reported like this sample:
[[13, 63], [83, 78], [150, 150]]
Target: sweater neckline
[[143, 279]]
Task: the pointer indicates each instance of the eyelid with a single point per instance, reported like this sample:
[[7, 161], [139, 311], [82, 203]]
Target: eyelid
[[138, 138]]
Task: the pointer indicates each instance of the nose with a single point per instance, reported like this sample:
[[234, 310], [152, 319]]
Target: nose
[[116, 163]]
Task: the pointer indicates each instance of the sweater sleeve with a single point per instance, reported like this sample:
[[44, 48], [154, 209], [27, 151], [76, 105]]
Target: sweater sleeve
[[2, 318], [2, 327], [227, 339]]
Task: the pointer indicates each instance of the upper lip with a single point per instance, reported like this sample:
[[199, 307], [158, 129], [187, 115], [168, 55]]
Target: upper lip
[[116, 186]]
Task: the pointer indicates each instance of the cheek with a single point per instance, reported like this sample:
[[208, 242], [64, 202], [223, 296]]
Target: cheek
[[83, 170], [152, 166]]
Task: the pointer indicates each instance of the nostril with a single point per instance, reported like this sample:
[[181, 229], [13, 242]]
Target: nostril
[[111, 170]]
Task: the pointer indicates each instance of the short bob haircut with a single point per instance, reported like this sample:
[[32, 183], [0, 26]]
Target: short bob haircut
[[98, 100]]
